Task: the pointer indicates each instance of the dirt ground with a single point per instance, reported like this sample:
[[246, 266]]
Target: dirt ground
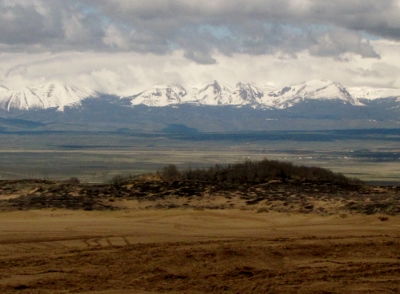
[[197, 251]]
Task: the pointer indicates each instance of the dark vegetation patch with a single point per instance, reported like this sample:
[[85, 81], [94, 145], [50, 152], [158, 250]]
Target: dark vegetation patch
[[255, 172], [267, 185]]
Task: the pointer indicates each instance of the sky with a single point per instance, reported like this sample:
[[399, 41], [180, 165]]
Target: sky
[[123, 47]]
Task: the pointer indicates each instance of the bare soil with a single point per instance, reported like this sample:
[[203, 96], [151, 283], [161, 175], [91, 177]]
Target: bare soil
[[148, 237]]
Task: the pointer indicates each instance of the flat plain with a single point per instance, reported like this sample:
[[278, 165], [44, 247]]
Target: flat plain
[[371, 155]]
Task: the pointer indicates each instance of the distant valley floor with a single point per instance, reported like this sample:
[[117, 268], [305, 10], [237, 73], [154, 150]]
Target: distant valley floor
[[93, 156]]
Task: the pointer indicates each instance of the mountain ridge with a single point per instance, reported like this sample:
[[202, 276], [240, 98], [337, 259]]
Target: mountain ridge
[[49, 95], [215, 93]]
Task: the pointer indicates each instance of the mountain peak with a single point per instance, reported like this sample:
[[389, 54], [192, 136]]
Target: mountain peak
[[161, 95], [215, 93], [217, 85], [249, 93], [312, 90]]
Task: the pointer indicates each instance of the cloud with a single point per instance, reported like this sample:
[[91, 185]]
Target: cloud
[[24, 23], [123, 47], [129, 73], [253, 27], [43, 25], [200, 57], [340, 41]]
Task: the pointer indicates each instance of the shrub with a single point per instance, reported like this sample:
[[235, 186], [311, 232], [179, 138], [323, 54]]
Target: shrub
[[170, 173]]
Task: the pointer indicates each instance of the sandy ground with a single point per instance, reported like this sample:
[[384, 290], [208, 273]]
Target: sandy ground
[[197, 251]]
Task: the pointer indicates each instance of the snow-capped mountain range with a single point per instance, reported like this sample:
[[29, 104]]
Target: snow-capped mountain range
[[50, 95], [373, 93], [216, 93], [220, 94], [312, 90]]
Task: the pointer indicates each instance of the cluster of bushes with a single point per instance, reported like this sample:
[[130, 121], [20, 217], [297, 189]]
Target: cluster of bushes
[[253, 172]]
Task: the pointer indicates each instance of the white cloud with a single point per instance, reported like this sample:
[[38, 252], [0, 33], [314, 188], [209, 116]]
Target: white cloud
[[123, 47], [129, 73], [114, 38]]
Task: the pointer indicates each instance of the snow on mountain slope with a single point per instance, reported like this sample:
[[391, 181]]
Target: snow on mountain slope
[[50, 95], [162, 95], [54, 95], [249, 94], [220, 94], [311, 90], [216, 93], [373, 93], [268, 88]]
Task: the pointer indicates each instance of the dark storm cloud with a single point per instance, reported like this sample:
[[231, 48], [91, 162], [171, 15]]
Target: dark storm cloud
[[48, 25], [324, 28], [21, 24], [339, 41]]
